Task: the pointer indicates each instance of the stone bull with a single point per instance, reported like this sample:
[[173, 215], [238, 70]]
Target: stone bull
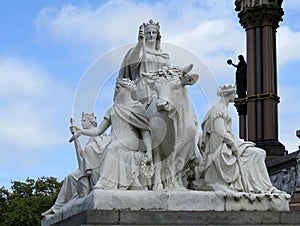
[[172, 123]]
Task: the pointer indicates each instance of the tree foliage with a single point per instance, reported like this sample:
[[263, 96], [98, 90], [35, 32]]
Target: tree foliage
[[24, 203]]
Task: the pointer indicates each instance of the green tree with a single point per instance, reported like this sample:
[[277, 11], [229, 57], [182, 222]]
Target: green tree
[[26, 201], [3, 202]]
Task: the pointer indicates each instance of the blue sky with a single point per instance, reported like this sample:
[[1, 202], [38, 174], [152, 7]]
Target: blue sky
[[59, 58]]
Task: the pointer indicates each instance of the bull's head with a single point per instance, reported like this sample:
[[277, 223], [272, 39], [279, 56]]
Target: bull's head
[[169, 85]]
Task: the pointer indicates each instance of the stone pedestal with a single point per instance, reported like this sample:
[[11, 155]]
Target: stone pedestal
[[160, 217], [164, 207]]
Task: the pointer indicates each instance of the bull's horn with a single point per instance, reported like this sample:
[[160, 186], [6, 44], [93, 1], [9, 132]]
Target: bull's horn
[[195, 77], [187, 69]]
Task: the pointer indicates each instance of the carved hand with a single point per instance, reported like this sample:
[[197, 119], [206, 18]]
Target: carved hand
[[75, 130], [76, 133], [141, 36], [234, 148], [149, 155]]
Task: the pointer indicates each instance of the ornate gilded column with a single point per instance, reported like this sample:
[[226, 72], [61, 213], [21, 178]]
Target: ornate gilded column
[[260, 18]]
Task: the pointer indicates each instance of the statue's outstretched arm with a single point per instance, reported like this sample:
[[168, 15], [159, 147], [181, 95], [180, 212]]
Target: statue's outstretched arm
[[135, 54], [235, 65]]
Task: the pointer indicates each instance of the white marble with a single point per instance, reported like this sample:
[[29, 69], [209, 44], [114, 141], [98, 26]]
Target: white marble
[[154, 145], [168, 201], [171, 105], [231, 164]]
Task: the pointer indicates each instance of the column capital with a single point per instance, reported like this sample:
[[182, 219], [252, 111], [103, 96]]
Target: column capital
[[261, 15]]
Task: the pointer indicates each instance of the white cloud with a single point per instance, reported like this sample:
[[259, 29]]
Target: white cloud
[[288, 47], [289, 120], [107, 25], [207, 28], [210, 28], [30, 101], [289, 111], [21, 80], [112, 23], [210, 37]]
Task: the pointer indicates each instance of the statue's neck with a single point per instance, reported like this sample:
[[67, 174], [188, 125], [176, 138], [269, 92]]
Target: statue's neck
[[224, 101], [150, 45]]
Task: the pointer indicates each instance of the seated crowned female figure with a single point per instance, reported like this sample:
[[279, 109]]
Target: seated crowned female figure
[[130, 138], [230, 163]]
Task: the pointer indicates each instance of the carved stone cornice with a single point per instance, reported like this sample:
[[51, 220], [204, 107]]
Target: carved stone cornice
[[261, 15]]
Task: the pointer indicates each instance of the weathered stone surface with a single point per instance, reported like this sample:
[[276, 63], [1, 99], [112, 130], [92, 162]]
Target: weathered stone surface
[[158, 207], [164, 217], [290, 217], [195, 201], [132, 200], [150, 200]]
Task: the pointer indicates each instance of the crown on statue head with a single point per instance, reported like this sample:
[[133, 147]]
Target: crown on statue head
[[152, 23], [91, 117], [226, 90]]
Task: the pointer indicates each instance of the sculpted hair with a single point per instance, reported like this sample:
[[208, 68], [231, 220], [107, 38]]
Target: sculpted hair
[[158, 41], [226, 90]]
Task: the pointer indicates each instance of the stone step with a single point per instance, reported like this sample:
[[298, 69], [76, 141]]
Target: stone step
[[170, 207], [126, 217]]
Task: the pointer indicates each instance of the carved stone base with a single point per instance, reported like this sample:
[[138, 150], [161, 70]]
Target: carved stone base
[[167, 201], [161, 217]]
